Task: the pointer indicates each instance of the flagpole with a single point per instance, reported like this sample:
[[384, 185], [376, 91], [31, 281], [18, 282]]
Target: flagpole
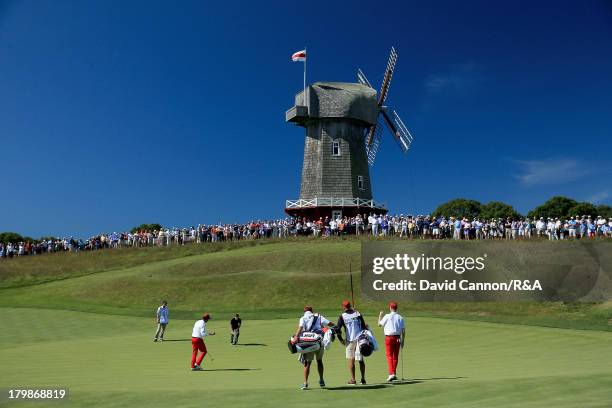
[[305, 58]]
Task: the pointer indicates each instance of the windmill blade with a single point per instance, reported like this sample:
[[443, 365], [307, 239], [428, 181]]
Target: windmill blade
[[398, 130], [370, 136], [384, 88], [363, 80], [405, 134], [372, 148]]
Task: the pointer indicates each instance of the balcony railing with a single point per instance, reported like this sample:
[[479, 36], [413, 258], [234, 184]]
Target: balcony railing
[[333, 202]]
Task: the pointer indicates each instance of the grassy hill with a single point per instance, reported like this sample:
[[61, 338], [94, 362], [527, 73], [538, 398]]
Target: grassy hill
[[260, 279], [62, 328]]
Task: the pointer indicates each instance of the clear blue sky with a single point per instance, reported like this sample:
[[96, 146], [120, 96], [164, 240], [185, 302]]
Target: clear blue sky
[[115, 113]]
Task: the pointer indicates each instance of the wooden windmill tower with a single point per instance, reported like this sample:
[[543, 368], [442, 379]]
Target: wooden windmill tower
[[343, 135]]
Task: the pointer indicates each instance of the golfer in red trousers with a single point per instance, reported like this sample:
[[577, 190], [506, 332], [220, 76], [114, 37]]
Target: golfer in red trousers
[[393, 325], [197, 342]]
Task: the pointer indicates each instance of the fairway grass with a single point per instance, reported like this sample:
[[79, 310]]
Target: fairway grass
[[111, 361]]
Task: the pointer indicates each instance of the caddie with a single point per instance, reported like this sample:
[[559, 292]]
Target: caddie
[[353, 324], [311, 322]]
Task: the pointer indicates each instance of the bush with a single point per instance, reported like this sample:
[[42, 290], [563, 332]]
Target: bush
[[12, 237], [146, 227], [604, 210], [497, 209], [581, 209], [556, 207], [459, 208]]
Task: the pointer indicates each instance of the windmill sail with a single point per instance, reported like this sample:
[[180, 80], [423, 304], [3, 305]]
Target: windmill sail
[[384, 89], [363, 80], [399, 131], [394, 123], [372, 148]]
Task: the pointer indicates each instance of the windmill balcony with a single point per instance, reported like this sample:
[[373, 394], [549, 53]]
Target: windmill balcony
[[313, 208], [333, 202], [297, 114]]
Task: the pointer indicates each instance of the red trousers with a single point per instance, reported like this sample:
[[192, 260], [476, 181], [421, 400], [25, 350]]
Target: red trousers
[[392, 347], [197, 344]]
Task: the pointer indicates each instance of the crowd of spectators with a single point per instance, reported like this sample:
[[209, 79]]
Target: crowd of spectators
[[400, 226]]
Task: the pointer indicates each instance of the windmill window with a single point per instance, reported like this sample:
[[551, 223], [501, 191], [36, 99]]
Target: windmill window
[[360, 182], [336, 148]]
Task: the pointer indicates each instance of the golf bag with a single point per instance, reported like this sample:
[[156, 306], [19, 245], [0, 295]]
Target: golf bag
[[367, 343], [308, 341]]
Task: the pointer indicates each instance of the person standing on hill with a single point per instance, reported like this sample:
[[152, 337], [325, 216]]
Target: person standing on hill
[[353, 324], [395, 333], [197, 342], [235, 324], [162, 321]]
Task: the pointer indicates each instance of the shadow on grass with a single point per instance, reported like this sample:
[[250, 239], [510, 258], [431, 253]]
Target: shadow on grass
[[358, 387], [405, 382], [391, 384], [228, 369], [165, 340], [252, 344], [420, 380]]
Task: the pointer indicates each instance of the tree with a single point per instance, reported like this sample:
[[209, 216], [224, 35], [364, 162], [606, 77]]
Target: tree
[[497, 209], [459, 208], [581, 209], [555, 207], [146, 227], [11, 237], [604, 210]]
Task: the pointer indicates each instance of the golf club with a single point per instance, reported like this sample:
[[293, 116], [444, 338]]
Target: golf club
[[402, 357]]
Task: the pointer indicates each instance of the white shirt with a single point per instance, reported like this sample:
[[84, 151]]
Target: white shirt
[[392, 323], [306, 321], [199, 329]]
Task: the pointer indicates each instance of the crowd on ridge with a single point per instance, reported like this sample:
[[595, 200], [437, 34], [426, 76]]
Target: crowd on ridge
[[400, 226]]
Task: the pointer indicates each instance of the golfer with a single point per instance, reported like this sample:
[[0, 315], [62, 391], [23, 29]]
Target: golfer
[[197, 342], [162, 321], [235, 324], [353, 324], [395, 333], [311, 322]]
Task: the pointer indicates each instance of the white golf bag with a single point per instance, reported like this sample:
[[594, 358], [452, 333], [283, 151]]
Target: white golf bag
[[367, 343], [307, 342]]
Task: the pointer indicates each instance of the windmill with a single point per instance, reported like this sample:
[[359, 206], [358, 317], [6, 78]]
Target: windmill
[[394, 123], [343, 134]]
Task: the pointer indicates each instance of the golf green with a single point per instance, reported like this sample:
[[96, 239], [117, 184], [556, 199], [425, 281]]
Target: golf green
[[108, 360]]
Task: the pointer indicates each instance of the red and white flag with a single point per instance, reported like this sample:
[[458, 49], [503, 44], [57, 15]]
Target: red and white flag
[[299, 56]]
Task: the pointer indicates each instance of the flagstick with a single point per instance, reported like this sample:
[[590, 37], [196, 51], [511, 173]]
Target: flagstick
[[351, 278]]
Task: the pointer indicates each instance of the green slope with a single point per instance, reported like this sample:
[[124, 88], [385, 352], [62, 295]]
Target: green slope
[[264, 279], [107, 358], [111, 361]]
